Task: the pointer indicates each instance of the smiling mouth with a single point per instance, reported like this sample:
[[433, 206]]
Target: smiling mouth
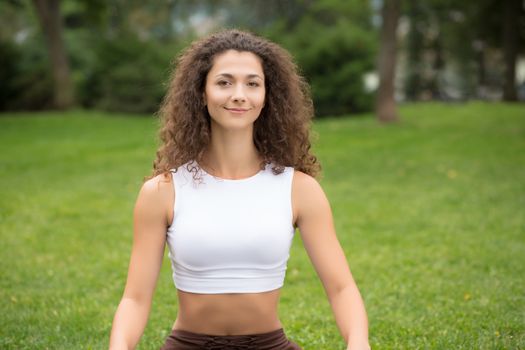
[[236, 110]]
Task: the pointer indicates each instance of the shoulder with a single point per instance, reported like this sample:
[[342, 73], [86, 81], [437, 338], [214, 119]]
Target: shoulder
[[156, 195], [157, 186], [308, 197], [303, 183]]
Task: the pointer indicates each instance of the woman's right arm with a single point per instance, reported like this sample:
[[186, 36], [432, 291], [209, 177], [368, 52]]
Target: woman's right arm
[[150, 221]]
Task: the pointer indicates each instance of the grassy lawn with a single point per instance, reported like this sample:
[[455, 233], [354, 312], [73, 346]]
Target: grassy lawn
[[431, 214]]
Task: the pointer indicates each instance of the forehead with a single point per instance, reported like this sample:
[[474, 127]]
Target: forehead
[[236, 63]]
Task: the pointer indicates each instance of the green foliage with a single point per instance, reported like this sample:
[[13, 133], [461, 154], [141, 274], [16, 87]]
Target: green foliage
[[415, 41], [334, 54], [455, 45], [9, 56], [128, 75], [120, 51], [112, 68], [428, 211], [334, 60], [26, 82]]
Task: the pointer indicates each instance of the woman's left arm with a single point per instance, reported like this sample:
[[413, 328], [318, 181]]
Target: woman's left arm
[[313, 217]]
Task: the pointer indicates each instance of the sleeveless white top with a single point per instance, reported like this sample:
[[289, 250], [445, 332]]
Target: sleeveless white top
[[231, 236]]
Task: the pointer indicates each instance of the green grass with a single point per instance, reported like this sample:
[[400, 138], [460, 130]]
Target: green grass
[[431, 214]]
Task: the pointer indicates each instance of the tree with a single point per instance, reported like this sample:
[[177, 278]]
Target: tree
[[335, 59], [48, 12], [414, 50], [385, 104], [478, 41], [510, 47]]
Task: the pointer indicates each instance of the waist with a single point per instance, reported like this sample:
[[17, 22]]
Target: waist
[[228, 314], [270, 340]]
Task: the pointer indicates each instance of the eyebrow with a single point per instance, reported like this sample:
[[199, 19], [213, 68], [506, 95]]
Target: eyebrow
[[249, 76]]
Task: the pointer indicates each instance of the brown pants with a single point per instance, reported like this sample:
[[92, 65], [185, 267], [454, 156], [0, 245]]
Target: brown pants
[[183, 340]]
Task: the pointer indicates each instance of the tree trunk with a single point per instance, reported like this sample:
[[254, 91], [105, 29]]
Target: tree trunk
[[415, 39], [48, 12], [438, 65], [482, 66], [510, 47], [386, 109]]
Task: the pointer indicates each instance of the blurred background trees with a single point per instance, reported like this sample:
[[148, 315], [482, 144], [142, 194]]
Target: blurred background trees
[[386, 109], [48, 13], [116, 54]]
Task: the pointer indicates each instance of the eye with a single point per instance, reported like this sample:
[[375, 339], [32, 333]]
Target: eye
[[253, 84], [223, 83]]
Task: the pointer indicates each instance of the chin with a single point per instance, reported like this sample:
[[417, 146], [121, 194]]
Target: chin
[[239, 124]]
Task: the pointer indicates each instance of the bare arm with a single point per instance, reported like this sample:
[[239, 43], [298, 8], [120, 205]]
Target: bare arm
[[150, 219], [314, 219]]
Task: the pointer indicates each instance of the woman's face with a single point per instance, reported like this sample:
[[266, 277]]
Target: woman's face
[[234, 93]]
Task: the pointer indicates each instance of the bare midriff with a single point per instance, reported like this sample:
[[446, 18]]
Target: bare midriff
[[228, 314]]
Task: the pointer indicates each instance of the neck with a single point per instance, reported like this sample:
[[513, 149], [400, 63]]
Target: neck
[[232, 154]]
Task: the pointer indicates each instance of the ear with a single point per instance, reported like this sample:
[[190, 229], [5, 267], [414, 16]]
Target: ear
[[204, 98]]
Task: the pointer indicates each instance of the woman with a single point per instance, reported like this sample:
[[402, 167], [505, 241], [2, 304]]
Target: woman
[[232, 180]]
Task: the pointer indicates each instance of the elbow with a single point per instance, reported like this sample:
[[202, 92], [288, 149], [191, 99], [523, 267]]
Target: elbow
[[341, 289], [138, 296]]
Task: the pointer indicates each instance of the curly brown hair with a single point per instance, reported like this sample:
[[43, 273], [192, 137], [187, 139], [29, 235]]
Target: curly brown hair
[[282, 130]]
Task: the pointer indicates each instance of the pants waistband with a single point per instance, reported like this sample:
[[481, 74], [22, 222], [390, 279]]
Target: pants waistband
[[270, 340]]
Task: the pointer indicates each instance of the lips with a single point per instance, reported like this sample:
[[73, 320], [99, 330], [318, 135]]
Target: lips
[[237, 110]]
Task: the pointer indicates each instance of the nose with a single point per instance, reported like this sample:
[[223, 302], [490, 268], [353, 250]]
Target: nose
[[238, 94]]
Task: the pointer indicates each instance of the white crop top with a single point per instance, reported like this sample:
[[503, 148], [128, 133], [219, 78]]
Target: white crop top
[[231, 236]]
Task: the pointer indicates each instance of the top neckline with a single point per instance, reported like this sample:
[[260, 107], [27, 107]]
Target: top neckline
[[248, 178]]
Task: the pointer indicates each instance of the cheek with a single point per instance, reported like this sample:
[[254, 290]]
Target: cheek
[[259, 99], [215, 97]]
